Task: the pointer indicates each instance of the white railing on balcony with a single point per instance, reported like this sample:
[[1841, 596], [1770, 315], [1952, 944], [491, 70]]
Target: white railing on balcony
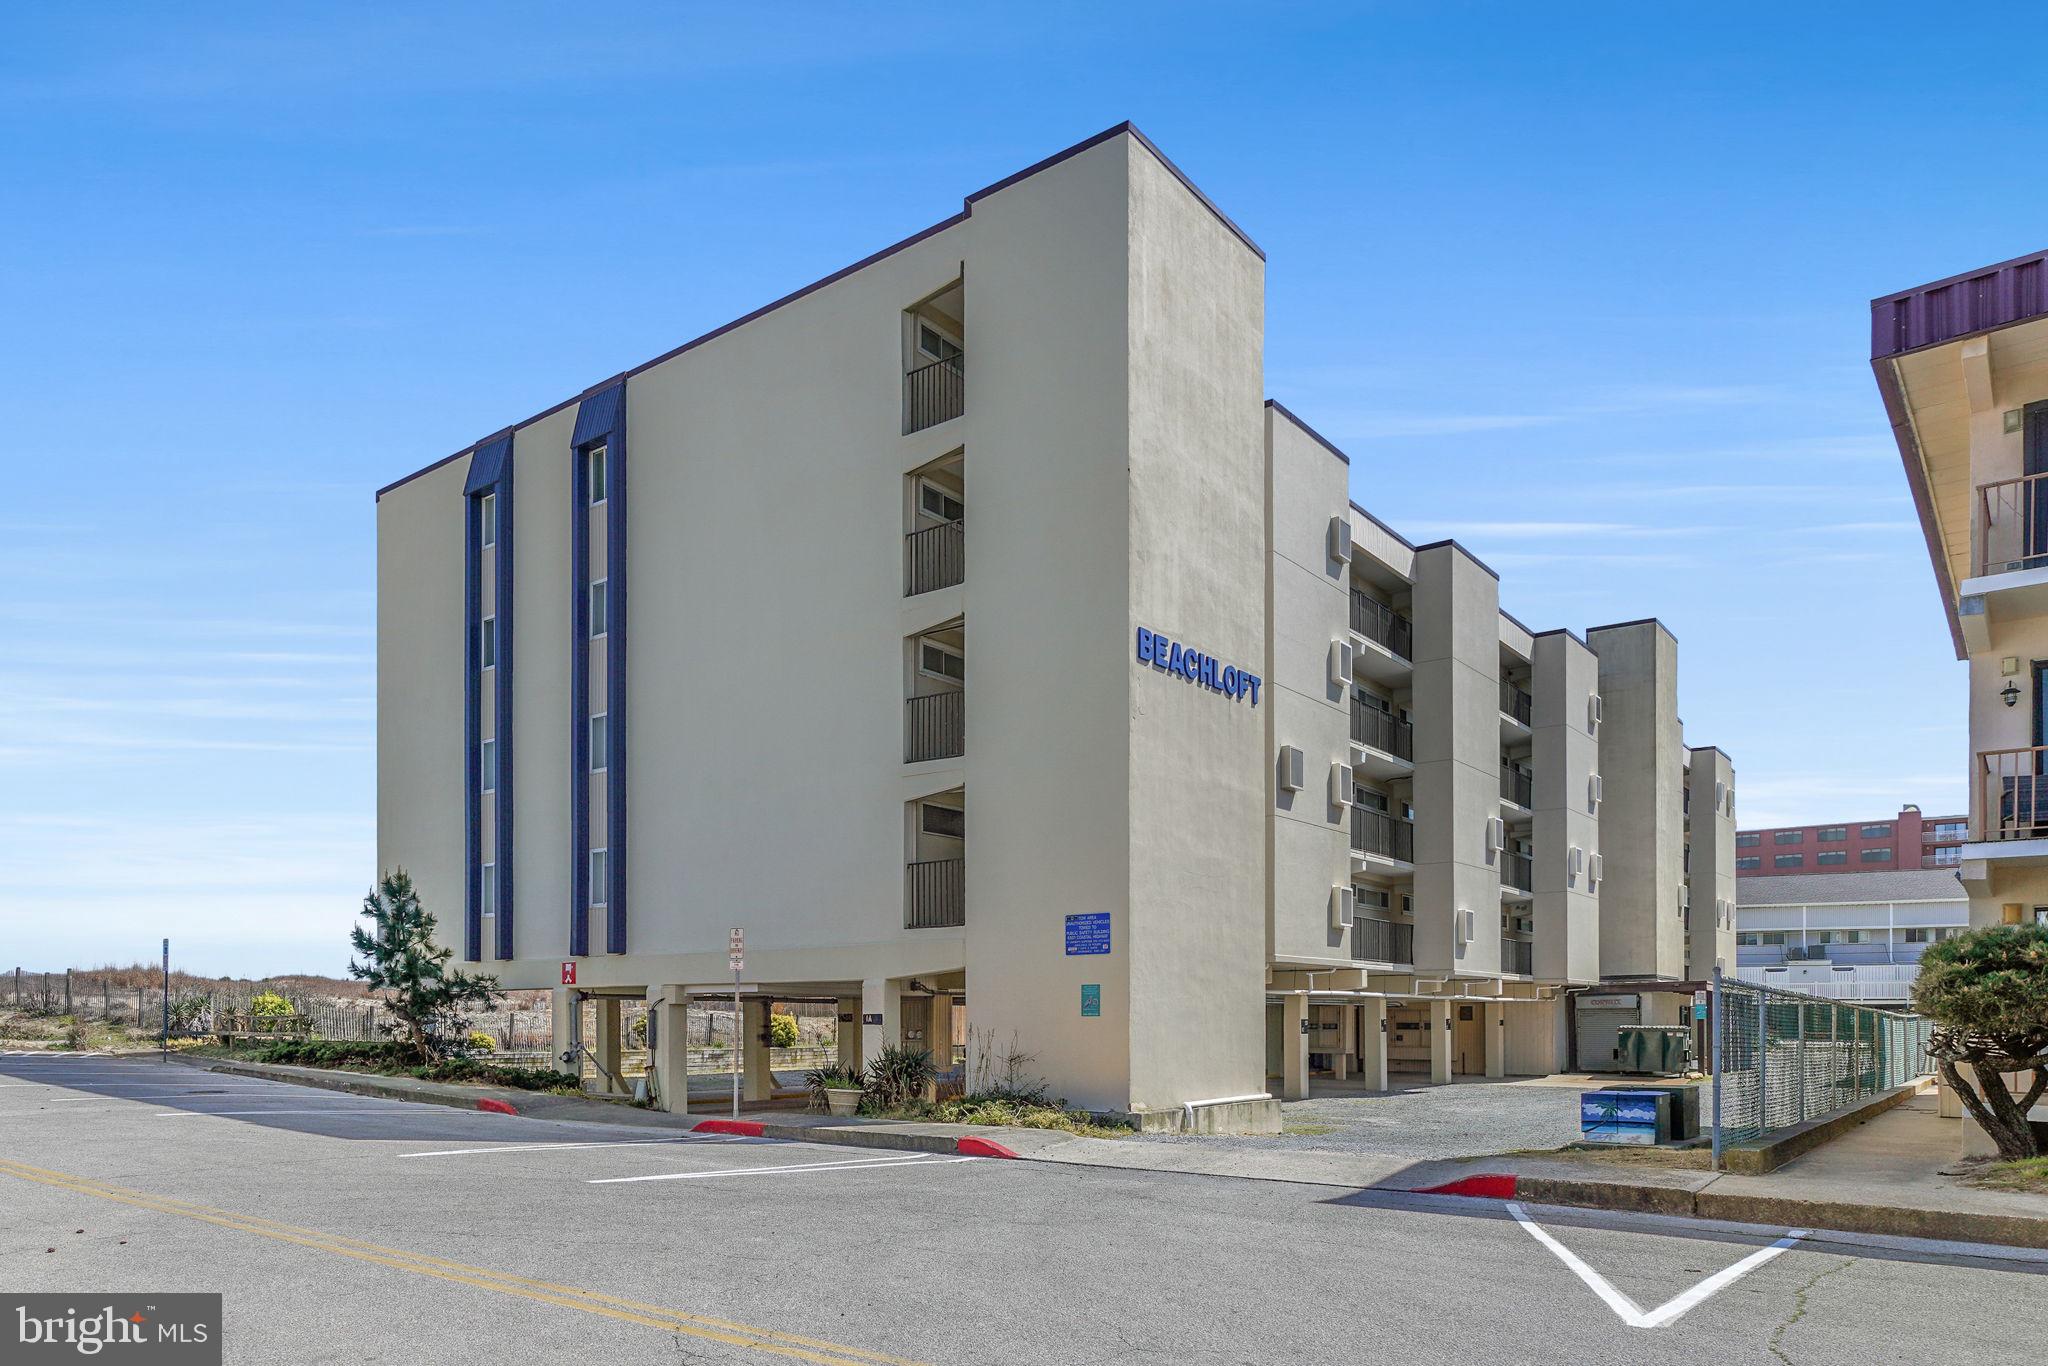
[[2012, 794], [2012, 525]]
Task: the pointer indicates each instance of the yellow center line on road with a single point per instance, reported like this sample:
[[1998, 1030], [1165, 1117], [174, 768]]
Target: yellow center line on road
[[545, 1292]]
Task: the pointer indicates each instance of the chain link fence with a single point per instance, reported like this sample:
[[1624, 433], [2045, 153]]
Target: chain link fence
[[1783, 1057]]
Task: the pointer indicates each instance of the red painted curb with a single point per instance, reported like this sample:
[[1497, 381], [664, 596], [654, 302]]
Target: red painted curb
[[1486, 1187], [980, 1147], [745, 1128], [496, 1107]]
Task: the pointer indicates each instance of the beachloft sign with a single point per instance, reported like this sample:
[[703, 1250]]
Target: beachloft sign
[[1184, 661]]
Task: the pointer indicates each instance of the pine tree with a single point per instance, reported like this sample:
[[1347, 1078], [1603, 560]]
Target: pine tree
[[399, 957]]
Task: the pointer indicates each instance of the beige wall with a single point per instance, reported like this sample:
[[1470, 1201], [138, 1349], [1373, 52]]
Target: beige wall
[[1711, 939], [1641, 813], [1566, 753]]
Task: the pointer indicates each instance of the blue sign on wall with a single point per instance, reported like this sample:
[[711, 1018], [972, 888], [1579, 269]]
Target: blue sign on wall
[[1184, 661], [1091, 999], [1088, 933]]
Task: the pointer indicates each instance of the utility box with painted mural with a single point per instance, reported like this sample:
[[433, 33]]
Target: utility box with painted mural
[[1641, 1118]]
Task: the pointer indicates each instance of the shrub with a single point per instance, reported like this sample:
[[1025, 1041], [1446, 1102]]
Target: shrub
[[1987, 993], [480, 1041], [781, 1030], [898, 1076], [269, 1005], [401, 959], [835, 1078]]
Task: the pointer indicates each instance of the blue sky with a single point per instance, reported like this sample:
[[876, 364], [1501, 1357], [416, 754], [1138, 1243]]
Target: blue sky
[[1585, 286]]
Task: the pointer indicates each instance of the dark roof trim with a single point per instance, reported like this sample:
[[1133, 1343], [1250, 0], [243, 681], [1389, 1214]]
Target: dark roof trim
[[1696, 749], [1981, 300], [1639, 621], [1439, 545], [1562, 631], [1311, 433], [866, 261]]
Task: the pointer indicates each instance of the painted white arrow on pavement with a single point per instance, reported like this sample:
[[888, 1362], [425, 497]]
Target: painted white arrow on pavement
[[1629, 1311]]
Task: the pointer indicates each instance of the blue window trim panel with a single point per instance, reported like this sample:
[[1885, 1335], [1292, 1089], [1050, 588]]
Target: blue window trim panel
[[490, 473], [600, 420]]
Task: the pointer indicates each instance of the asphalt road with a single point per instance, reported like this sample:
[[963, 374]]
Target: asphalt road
[[346, 1229]]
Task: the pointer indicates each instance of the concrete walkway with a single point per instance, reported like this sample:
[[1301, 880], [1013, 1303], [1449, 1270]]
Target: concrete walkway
[[1884, 1177]]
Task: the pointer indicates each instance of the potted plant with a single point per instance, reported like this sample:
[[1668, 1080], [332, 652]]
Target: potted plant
[[835, 1089]]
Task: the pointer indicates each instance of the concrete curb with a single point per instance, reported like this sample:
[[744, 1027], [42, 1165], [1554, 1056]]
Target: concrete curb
[[1768, 1154], [1841, 1216]]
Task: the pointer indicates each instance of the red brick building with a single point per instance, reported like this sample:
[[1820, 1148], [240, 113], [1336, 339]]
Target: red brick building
[[1907, 840]]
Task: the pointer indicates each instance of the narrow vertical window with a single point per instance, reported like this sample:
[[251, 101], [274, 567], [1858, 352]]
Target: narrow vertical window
[[598, 745], [487, 519], [600, 876], [490, 889], [490, 766], [487, 643], [597, 608], [596, 474]]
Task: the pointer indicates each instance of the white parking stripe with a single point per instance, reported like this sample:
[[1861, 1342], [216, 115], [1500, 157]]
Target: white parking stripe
[[330, 1110], [910, 1160], [553, 1147], [1626, 1309]]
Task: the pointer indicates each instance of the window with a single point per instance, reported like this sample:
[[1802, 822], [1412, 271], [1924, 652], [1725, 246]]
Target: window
[[1774, 937], [600, 877], [1832, 856], [941, 661], [948, 822], [934, 500], [936, 344], [487, 642], [1746, 940], [1748, 841], [488, 898], [598, 606], [1876, 855], [1877, 832], [1833, 834], [1788, 861], [1950, 830], [1752, 861], [487, 519], [597, 473], [1929, 934], [489, 765], [600, 735], [1372, 898], [1946, 855], [1789, 837]]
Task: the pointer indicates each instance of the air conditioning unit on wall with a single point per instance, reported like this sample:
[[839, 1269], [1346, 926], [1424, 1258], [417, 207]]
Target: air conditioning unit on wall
[[1340, 663], [1340, 538], [1466, 924], [1343, 902], [1593, 711], [1340, 784], [1593, 790], [1291, 776]]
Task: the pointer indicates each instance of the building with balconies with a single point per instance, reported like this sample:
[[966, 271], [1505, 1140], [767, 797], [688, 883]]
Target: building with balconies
[[1069, 695], [1849, 936]]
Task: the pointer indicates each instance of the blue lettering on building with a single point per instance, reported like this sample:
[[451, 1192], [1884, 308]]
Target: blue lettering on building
[[1205, 670]]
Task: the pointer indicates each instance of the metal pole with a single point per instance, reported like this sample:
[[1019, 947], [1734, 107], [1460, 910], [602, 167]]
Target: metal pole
[[166, 1040], [1715, 1025], [736, 1018], [68, 1010]]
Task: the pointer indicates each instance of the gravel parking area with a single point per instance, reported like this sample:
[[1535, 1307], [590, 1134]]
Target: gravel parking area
[[1466, 1119]]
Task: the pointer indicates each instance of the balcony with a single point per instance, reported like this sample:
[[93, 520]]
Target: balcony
[[1377, 834], [1518, 956], [1517, 871], [2011, 816], [1516, 704], [935, 726], [937, 556], [1382, 731], [1381, 941], [934, 392], [938, 894], [1517, 786], [1382, 626]]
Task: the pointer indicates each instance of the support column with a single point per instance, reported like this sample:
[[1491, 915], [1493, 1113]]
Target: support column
[[848, 1031], [565, 1015], [884, 997], [939, 1037], [1496, 1024], [1372, 1044], [1347, 1039], [1294, 1048], [757, 1082], [671, 1061], [1439, 1032], [610, 1046]]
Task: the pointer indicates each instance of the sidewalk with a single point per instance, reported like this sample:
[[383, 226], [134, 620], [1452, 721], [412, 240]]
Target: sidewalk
[[1883, 1177]]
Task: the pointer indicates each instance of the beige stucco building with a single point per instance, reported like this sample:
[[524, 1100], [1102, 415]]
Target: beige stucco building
[[999, 653]]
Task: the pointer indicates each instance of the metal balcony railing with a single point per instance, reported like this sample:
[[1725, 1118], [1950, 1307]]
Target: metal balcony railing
[[1518, 956], [938, 557], [935, 726], [934, 393], [1376, 832], [2012, 794], [2012, 525], [938, 894], [1517, 871], [1517, 785], [1381, 941], [1375, 620], [1382, 731], [1516, 702]]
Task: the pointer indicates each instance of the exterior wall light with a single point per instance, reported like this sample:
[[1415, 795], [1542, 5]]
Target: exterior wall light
[[2011, 693]]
